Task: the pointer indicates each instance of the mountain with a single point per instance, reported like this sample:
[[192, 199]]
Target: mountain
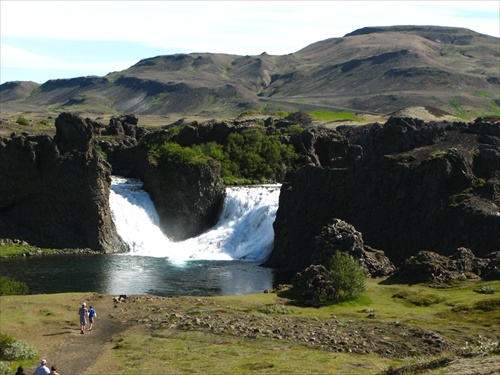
[[373, 69]]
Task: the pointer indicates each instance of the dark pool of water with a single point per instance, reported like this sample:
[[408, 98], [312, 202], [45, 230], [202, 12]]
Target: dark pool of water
[[123, 274]]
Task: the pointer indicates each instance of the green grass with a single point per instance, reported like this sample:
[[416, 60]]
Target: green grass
[[460, 112], [458, 313], [20, 249], [325, 116], [198, 353], [483, 93]]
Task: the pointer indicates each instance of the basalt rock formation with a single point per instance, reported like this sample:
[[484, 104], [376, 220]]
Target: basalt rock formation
[[188, 198], [428, 266], [55, 191], [405, 185], [338, 235]]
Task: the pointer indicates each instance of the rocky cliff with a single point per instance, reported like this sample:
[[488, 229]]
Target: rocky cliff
[[55, 191], [187, 197], [405, 185]]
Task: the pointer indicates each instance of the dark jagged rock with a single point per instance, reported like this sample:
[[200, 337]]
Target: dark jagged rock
[[412, 186], [55, 192], [72, 133], [428, 266], [313, 282], [338, 235], [188, 198], [404, 134]]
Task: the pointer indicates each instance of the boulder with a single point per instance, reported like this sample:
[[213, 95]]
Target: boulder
[[188, 198], [72, 132], [341, 236], [428, 266], [314, 286]]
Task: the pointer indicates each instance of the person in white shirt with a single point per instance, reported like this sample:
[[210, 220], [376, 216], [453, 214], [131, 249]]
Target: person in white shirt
[[42, 369]]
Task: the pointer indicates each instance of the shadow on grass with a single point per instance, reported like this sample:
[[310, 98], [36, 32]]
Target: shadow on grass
[[57, 334]]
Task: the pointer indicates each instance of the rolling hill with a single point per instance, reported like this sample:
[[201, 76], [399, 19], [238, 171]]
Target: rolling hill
[[373, 70]]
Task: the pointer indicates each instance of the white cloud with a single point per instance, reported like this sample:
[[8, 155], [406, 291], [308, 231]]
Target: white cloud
[[12, 57], [243, 27], [233, 27]]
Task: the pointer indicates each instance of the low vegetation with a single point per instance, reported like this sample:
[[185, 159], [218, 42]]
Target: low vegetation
[[11, 287], [325, 116], [342, 279], [13, 351], [201, 335]]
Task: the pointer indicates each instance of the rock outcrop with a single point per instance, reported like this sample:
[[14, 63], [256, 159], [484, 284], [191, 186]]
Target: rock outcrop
[[188, 198], [412, 186], [55, 192], [338, 235], [428, 266]]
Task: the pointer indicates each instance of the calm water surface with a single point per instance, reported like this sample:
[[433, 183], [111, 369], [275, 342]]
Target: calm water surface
[[122, 274]]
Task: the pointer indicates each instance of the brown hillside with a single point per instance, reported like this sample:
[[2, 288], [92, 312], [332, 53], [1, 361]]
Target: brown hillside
[[374, 69]]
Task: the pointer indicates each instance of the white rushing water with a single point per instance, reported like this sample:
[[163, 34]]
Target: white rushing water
[[244, 231]]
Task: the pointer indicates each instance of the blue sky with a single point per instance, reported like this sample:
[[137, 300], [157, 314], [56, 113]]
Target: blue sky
[[42, 40]]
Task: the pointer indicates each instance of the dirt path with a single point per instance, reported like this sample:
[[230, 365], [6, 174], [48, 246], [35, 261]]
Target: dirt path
[[73, 352]]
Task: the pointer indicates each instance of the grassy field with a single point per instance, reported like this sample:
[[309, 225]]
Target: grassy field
[[179, 335]]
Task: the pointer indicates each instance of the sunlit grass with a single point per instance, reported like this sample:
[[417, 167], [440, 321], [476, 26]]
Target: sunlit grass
[[324, 116]]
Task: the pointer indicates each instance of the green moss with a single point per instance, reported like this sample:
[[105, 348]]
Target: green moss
[[437, 154]]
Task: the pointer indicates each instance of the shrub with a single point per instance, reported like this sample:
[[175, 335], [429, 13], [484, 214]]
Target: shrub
[[483, 347], [488, 289], [276, 309], [22, 121], [171, 154], [5, 341], [249, 156], [255, 156], [341, 280], [12, 349], [19, 350], [10, 287], [4, 368], [294, 129], [346, 275]]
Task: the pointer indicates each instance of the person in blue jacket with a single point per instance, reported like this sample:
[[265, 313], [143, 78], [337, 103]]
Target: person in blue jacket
[[92, 316]]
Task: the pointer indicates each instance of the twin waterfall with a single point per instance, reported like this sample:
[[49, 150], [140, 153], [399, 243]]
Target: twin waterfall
[[244, 231]]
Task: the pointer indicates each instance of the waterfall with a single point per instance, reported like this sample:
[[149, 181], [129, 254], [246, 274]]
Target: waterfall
[[244, 230]]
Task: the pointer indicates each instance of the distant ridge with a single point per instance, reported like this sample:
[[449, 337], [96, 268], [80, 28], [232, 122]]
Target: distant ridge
[[379, 69]]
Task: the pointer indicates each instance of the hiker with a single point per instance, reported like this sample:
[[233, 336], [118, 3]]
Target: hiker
[[42, 369], [92, 316], [53, 370], [20, 371], [84, 314]]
